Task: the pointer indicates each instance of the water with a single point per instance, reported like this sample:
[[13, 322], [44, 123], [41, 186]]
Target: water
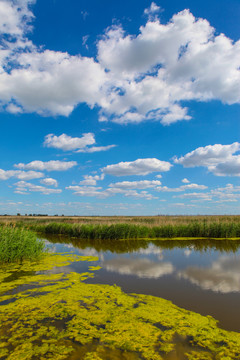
[[202, 276]]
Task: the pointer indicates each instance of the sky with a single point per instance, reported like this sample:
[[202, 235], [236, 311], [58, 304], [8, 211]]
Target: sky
[[119, 108]]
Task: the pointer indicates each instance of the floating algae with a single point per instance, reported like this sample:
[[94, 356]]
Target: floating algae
[[58, 316]]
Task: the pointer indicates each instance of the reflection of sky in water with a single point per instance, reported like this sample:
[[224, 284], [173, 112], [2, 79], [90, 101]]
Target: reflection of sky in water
[[140, 267], [209, 269], [206, 281], [222, 276]]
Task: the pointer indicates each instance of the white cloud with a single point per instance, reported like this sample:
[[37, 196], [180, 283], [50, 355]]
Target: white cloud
[[135, 194], [22, 175], [94, 149], [148, 75], [91, 180], [152, 10], [143, 184], [52, 165], [218, 158], [85, 190], [193, 186], [65, 142], [137, 167], [196, 196], [229, 193], [49, 182], [94, 191], [183, 205], [185, 181], [230, 167], [208, 155], [15, 16], [23, 187], [182, 188], [165, 64]]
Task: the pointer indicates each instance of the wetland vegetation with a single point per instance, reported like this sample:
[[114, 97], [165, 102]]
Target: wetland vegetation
[[66, 313], [152, 227], [18, 244], [64, 318]]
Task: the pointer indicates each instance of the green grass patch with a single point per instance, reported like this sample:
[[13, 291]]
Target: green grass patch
[[17, 245]]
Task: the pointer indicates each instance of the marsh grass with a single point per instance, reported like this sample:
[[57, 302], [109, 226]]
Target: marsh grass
[[17, 244], [129, 231], [149, 221]]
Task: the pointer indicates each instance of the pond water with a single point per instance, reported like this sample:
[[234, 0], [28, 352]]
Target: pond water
[[200, 275]]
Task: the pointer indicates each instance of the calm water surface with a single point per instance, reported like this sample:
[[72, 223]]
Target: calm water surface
[[203, 276]]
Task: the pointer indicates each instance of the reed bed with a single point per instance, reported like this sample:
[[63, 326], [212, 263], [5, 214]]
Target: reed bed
[[149, 221], [17, 245], [129, 231]]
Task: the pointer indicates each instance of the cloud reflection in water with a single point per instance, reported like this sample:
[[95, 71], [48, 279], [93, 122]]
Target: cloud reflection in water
[[143, 267], [223, 276]]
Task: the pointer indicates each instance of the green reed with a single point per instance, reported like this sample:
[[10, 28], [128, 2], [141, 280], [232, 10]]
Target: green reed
[[130, 231], [18, 244]]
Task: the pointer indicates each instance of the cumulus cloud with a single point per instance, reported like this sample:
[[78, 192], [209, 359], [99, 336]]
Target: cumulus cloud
[[133, 78], [229, 193], [185, 181], [65, 142], [22, 187], [230, 167], [196, 196], [182, 188], [85, 190], [15, 16], [152, 10], [94, 191], [218, 158], [52, 165], [143, 184], [208, 155], [78, 144], [137, 167], [164, 64], [22, 175], [53, 82], [49, 182], [90, 180]]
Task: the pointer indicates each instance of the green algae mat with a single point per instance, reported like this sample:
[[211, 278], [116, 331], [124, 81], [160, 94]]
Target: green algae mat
[[47, 312]]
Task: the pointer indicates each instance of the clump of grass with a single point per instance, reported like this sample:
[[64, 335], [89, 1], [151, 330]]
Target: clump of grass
[[17, 245]]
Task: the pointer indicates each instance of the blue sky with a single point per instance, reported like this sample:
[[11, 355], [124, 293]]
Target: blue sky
[[119, 108]]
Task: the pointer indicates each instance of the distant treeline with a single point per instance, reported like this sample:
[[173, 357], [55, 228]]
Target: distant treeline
[[130, 231]]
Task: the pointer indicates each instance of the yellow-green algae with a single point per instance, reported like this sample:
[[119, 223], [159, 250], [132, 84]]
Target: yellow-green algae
[[46, 315]]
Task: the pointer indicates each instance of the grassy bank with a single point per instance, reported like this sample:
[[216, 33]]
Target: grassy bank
[[127, 231], [18, 244]]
